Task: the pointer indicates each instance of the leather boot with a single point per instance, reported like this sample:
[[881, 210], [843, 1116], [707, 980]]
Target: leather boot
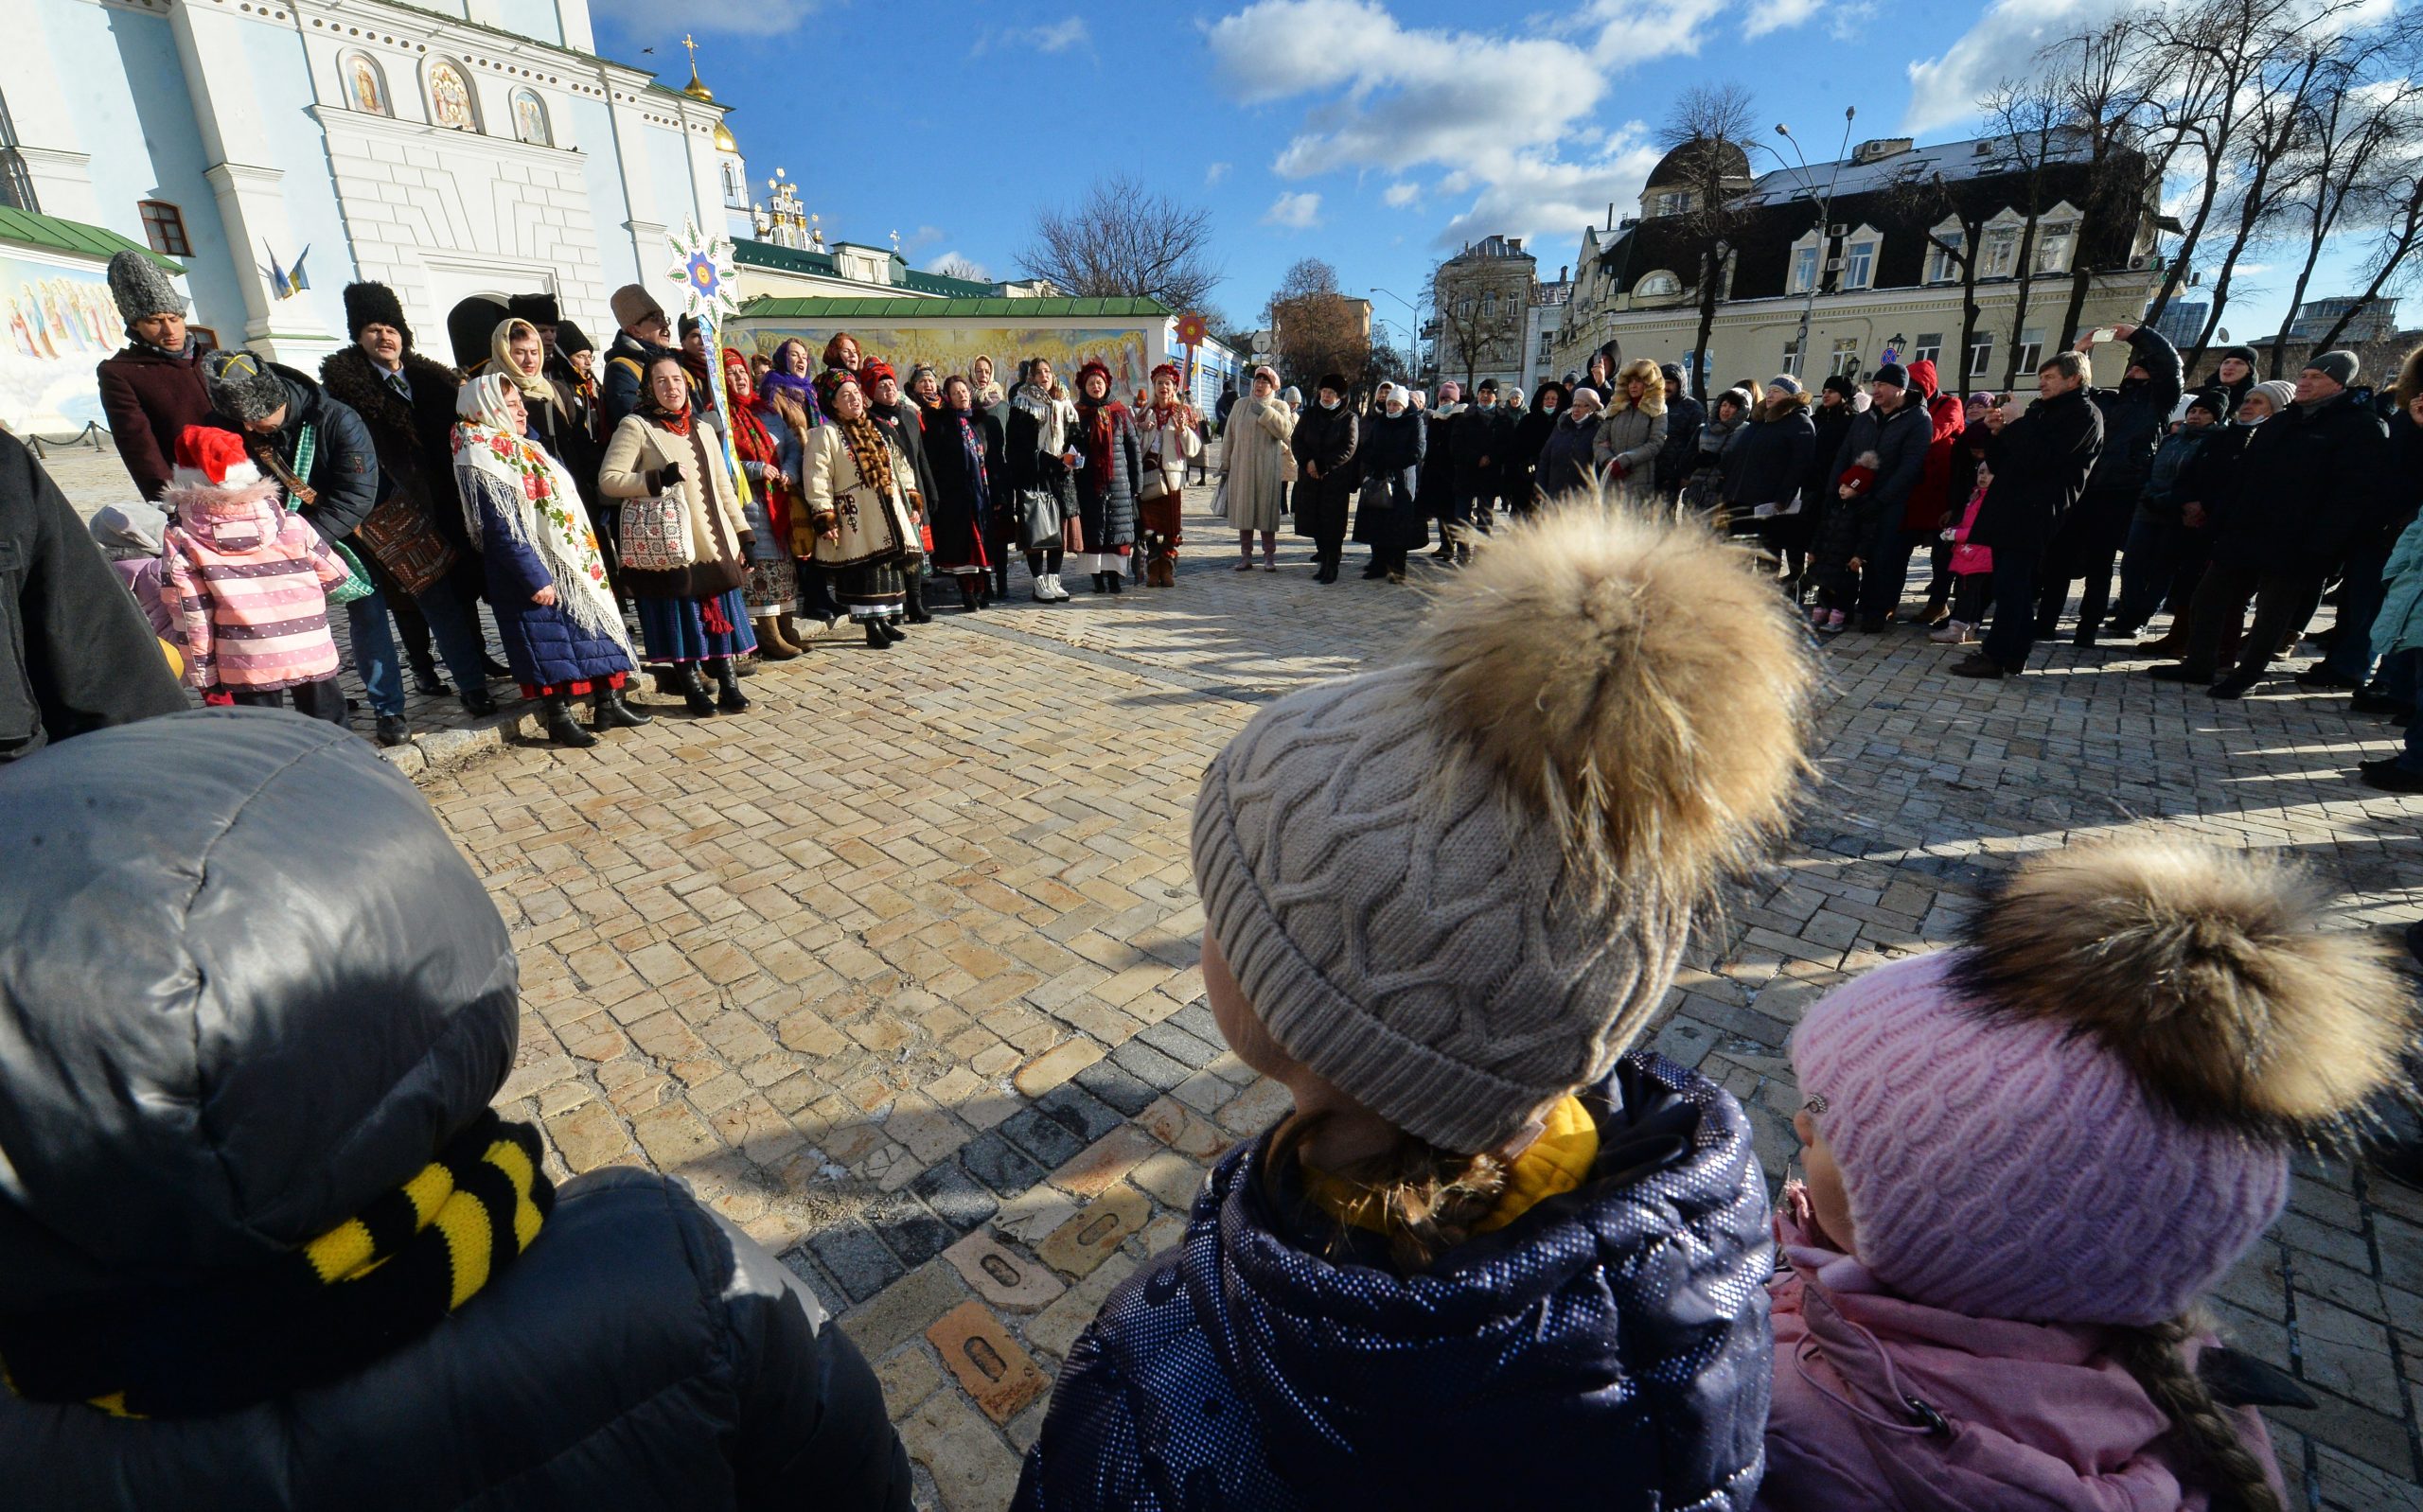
[[562, 729], [771, 645], [890, 630], [918, 613], [1118, 581], [693, 689], [607, 710], [968, 603], [877, 640], [728, 697]]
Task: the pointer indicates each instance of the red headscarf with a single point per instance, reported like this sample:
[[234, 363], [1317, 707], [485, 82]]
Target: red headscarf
[[755, 443]]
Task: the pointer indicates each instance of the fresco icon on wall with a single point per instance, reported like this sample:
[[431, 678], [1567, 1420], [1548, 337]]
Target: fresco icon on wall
[[530, 118], [59, 322], [365, 85], [450, 98]]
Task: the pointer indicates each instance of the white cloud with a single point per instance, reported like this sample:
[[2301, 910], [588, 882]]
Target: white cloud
[[923, 238], [1776, 15], [1064, 35], [1296, 212], [1401, 195], [1507, 114], [959, 265], [1214, 172], [745, 18]]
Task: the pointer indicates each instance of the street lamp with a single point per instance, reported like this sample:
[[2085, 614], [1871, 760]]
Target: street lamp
[[1412, 352], [1825, 213]]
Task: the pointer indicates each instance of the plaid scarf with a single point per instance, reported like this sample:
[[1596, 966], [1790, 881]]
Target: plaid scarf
[[359, 1292]]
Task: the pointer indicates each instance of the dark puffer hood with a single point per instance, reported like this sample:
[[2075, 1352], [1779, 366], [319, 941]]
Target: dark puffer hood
[[1609, 1349], [247, 985]]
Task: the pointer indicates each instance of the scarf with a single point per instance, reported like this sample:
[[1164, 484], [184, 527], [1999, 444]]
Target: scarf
[[1051, 418], [1102, 425], [971, 446], [755, 443], [537, 388], [871, 450], [799, 390], [536, 503], [353, 1294]]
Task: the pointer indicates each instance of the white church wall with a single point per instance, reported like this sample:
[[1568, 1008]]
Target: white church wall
[[671, 193], [283, 91], [593, 124]]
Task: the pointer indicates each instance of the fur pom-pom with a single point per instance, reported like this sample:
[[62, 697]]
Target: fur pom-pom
[[1636, 681], [2206, 971]]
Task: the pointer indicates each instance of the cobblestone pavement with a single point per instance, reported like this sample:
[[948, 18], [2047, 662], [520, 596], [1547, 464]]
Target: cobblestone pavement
[[899, 968]]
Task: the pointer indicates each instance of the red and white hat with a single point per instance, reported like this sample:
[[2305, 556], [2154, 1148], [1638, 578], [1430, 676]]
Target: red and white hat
[[209, 457]]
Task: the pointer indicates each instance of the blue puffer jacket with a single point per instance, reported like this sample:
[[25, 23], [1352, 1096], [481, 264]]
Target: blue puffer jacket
[[1609, 1349], [542, 645]]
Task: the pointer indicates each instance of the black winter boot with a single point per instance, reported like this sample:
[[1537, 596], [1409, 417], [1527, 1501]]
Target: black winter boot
[[877, 640], [693, 689], [890, 630], [729, 698], [562, 729], [918, 613], [607, 710], [1118, 581]]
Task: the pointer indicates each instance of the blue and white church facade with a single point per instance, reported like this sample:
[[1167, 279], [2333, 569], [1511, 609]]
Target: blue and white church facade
[[471, 147]]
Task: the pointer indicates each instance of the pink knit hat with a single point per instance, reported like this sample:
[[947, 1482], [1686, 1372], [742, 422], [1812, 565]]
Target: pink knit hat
[[2085, 1116]]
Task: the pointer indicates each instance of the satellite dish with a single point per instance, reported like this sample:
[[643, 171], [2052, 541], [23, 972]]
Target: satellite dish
[[2225, 333]]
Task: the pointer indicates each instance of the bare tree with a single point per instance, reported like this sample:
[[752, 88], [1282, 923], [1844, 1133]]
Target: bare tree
[[1124, 240], [1707, 136], [1461, 333], [2399, 248], [2032, 122], [2212, 59], [2108, 78], [1317, 329], [2362, 124], [1930, 201], [955, 265], [2268, 170]]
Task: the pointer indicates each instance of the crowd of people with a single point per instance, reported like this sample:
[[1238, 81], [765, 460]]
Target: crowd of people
[[267, 1241], [654, 507]]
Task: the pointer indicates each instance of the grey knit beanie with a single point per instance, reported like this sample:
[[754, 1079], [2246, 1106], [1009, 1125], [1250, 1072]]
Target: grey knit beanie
[[142, 287], [1455, 887], [2340, 367], [241, 387]]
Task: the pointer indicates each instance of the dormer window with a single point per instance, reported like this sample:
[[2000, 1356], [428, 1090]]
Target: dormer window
[[1859, 260], [1659, 285]]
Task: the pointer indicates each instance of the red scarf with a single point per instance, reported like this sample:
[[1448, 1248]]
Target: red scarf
[[1099, 421], [755, 443]]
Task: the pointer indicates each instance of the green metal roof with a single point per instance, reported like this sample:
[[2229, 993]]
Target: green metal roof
[[26, 227], [767, 306], [945, 285], [751, 253]]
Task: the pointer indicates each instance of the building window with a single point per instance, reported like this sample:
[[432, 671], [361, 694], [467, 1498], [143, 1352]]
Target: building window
[[365, 85], [1981, 354], [2002, 252], [2031, 351], [1943, 256], [1489, 305], [1846, 360], [1792, 357], [17, 184], [1928, 347], [2053, 244], [1547, 343], [163, 226], [1859, 265], [1659, 285], [530, 121], [450, 98], [1804, 269]]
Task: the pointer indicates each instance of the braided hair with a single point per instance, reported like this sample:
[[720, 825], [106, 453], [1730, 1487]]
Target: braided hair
[[2228, 1471]]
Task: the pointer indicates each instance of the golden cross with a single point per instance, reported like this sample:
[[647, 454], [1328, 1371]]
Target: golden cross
[[694, 52]]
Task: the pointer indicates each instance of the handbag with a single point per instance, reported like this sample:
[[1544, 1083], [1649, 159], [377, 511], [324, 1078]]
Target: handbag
[[1155, 484], [1038, 517], [656, 531]]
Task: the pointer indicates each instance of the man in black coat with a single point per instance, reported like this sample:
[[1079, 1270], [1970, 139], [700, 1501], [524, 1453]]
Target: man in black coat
[[1684, 417], [2041, 463], [2136, 415], [1894, 426], [1434, 487], [2306, 482], [1328, 466], [75, 652], [275, 408], [1483, 433]]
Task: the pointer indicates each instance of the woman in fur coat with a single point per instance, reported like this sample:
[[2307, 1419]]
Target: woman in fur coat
[[1631, 433], [683, 565], [2030, 1157], [1389, 519], [1105, 479], [562, 631], [1255, 469], [852, 515]]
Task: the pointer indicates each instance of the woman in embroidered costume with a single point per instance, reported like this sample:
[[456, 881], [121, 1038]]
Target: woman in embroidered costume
[[1171, 436], [546, 579], [685, 542], [759, 431], [964, 452], [854, 518], [1105, 480]]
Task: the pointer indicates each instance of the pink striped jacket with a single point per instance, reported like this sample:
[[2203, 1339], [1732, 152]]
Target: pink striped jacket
[[248, 582]]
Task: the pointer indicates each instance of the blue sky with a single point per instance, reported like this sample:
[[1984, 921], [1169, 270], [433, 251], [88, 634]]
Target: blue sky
[[1377, 134]]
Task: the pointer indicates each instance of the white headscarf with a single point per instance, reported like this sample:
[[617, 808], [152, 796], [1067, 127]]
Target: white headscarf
[[535, 501]]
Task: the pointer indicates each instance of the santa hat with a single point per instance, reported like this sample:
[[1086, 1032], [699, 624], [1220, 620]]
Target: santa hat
[[209, 457]]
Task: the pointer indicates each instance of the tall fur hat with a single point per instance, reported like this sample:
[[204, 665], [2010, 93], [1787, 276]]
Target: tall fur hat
[[141, 286], [1455, 887], [632, 304], [369, 304], [242, 386], [1652, 392], [2085, 1116], [539, 309], [471, 330]]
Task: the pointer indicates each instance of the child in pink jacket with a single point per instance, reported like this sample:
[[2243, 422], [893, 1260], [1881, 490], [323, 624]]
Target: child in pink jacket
[[1972, 571], [2027, 1159], [249, 581]]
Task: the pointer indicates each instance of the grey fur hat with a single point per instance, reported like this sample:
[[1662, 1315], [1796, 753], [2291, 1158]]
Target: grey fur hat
[[242, 386], [142, 287]]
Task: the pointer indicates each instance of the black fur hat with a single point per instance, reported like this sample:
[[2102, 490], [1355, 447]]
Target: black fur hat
[[368, 304], [539, 309], [470, 329]]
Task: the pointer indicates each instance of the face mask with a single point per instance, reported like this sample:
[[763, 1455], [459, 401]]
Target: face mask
[[1329, 404], [1549, 408], [2257, 420]]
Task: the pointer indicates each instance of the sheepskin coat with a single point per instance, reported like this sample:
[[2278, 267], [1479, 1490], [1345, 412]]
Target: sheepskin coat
[[642, 446], [1632, 434], [875, 527], [1254, 485]]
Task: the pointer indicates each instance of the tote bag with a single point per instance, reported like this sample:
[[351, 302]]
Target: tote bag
[[656, 531]]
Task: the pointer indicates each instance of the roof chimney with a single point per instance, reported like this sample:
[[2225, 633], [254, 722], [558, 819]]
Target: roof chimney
[[1611, 214], [1563, 271]]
